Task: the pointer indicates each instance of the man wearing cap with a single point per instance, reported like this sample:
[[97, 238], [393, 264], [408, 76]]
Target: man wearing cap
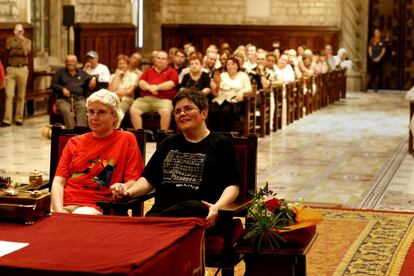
[[71, 85], [97, 70], [18, 48]]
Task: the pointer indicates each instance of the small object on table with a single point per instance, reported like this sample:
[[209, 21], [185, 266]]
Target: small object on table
[[11, 191], [35, 179], [24, 206], [36, 193]]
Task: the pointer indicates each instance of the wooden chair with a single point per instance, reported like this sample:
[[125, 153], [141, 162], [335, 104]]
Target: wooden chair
[[342, 82], [220, 251], [320, 90], [59, 139], [278, 113], [290, 102], [247, 123], [300, 99], [263, 119], [308, 87]]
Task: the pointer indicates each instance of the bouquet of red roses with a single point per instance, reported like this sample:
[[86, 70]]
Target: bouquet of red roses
[[269, 216]]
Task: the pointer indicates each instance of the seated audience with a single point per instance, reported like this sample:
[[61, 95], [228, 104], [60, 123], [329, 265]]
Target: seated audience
[[321, 65], [257, 73], [215, 79], [71, 85], [171, 55], [123, 83], [341, 60], [154, 55], [194, 173], [179, 61], [284, 69], [270, 70], [134, 63], [251, 52], [92, 162], [330, 58], [157, 86], [294, 62], [305, 65], [226, 108], [98, 70], [196, 79], [210, 63]]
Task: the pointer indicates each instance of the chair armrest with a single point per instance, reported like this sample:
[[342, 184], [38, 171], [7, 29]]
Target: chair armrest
[[236, 208], [121, 207]]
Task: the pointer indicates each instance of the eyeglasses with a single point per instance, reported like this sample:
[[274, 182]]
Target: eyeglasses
[[99, 113], [186, 109]]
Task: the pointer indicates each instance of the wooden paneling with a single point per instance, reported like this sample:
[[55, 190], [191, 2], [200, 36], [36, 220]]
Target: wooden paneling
[[108, 40], [262, 36]]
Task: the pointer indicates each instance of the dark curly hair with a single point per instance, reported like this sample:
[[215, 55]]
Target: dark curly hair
[[196, 96]]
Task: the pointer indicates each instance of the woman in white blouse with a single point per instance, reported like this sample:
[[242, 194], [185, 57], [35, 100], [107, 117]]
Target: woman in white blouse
[[226, 108], [123, 83]]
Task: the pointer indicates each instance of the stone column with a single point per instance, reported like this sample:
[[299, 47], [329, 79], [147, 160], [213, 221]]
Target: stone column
[[152, 27], [354, 37]]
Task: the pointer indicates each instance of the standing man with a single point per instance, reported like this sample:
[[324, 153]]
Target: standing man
[[18, 48], [71, 85]]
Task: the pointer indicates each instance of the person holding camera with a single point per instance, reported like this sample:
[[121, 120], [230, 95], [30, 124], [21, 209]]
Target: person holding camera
[[18, 48]]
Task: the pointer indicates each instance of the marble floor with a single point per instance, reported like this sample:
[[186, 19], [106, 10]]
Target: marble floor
[[351, 154]]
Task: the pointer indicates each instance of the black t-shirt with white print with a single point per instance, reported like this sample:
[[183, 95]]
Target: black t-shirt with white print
[[181, 170]]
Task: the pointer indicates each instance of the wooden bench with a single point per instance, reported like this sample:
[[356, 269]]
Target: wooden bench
[[264, 112], [278, 112]]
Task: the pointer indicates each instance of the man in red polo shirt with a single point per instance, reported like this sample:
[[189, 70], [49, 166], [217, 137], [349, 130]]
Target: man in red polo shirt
[[157, 86]]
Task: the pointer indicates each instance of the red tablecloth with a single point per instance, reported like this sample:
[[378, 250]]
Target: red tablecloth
[[85, 244]]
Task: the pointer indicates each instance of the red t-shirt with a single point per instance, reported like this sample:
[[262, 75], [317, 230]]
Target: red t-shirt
[[2, 74], [151, 76], [91, 165]]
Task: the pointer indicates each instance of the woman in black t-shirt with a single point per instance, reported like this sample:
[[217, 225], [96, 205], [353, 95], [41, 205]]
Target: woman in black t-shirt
[[195, 172]]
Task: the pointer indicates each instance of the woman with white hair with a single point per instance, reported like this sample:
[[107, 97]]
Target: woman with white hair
[[341, 59], [90, 163]]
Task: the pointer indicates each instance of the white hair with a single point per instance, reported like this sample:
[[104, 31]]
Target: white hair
[[341, 52], [110, 99]]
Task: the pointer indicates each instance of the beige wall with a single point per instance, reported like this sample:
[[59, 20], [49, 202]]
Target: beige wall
[[13, 11], [103, 11], [261, 12]]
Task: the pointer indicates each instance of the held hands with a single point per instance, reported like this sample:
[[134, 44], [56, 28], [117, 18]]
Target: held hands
[[213, 214], [119, 191]]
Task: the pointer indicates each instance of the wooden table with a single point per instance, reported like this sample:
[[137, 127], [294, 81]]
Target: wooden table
[[69, 244], [287, 261]]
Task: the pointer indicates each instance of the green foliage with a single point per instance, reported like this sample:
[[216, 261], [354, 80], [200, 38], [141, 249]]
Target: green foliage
[[266, 215]]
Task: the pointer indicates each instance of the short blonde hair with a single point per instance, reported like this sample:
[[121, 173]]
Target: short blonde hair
[[110, 99]]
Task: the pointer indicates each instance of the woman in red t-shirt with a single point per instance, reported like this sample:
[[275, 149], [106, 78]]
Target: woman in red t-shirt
[[92, 162]]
